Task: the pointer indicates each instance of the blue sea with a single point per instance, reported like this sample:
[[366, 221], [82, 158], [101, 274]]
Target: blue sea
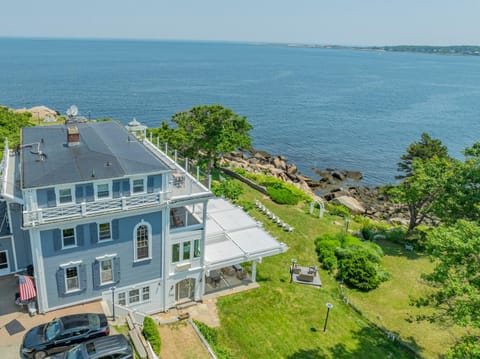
[[345, 109]]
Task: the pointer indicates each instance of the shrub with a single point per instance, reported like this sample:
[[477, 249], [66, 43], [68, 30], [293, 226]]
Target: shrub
[[368, 232], [396, 235], [151, 333], [330, 263], [229, 189], [358, 262], [326, 245], [282, 196], [240, 171], [373, 247], [359, 272], [350, 240], [383, 275], [338, 210], [246, 205], [211, 336]]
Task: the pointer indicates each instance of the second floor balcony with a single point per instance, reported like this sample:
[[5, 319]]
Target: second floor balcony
[[86, 209]]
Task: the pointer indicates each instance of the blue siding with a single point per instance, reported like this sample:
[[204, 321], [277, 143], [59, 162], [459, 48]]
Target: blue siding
[[88, 249], [21, 237], [46, 197]]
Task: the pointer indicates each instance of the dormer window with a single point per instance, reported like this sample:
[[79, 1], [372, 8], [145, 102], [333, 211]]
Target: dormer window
[[103, 190], [138, 185], [65, 195]]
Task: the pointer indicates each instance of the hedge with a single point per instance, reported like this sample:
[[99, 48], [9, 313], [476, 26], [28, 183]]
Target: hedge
[[151, 333]]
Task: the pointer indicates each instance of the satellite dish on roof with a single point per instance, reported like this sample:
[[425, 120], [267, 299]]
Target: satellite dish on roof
[[72, 111]]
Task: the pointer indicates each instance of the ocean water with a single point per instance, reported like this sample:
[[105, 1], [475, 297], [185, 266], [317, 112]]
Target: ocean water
[[345, 109]]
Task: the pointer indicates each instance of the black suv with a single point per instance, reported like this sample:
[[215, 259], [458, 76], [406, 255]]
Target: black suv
[[61, 333], [113, 347]]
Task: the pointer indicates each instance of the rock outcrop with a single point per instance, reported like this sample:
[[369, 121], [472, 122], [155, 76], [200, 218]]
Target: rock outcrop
[[334, 185], [39, 112]]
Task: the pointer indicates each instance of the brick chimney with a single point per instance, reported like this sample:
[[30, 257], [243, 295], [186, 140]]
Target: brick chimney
[[73, 136]]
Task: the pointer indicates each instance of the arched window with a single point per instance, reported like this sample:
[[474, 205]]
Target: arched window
[[143, 241]]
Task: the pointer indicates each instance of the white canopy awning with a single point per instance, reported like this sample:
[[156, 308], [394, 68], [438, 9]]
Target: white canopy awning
[[234, 237]]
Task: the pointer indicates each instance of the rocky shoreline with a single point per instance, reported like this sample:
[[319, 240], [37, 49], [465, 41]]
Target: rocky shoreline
[[333, 185]]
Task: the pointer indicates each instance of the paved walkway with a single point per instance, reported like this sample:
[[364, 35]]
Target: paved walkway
[[9, 311]]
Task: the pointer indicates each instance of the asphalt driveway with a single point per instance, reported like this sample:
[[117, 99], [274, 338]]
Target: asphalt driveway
[[15, 318]]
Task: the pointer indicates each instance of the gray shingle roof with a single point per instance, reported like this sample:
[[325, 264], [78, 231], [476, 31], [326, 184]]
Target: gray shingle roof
[[106, 150]]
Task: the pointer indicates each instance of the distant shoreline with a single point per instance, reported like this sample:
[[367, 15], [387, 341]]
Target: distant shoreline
[[466, 50]]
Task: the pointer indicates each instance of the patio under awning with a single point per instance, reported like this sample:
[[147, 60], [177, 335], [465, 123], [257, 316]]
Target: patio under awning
[[232, 236]]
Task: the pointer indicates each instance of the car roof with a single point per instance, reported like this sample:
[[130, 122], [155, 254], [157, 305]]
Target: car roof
[[107, 345], [79, 320]]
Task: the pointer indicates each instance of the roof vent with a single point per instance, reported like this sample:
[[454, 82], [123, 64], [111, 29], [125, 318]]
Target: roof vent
[[73, 136]]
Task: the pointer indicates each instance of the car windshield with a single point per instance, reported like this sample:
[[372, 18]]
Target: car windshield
[[74, 353], [52, 329]]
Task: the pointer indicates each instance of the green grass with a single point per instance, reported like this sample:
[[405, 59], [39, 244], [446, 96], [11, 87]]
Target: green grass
[[388, 305], [283, 320]]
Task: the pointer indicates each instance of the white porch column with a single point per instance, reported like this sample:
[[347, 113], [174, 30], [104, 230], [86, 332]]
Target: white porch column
[[203, 241], [254, 270], [166, 255], [40, 281]]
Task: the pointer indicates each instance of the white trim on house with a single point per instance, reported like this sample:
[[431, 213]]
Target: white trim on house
[[149, 238], [40, 280], [7, 269], [70, 264], [15, 267], [102, 183], [65, 187], [132, 185], [99, 240], [79, 287], [63, 238], [100, 261]]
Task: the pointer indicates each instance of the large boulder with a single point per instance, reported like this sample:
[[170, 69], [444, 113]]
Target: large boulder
[[292, 169], [279, 163], [355, 175], [351, 203]]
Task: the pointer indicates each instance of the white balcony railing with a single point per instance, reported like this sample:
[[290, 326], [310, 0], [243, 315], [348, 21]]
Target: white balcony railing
[[48, 215]]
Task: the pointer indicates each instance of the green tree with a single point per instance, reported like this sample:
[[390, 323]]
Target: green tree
[[10, 125], [456, 279], [206, 132], [420, 190], [461, 197], [424, 149]]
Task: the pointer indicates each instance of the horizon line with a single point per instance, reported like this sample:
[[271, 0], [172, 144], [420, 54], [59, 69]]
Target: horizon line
[[147, 39]]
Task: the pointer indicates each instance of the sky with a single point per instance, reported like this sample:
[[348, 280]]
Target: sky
[[342, 22]]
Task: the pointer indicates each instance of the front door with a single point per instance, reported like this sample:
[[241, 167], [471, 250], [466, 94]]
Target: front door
[[4, 268], [185, 289]]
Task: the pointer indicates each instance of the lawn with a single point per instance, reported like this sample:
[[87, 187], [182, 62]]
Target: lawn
[[283, 320], [389, 307]]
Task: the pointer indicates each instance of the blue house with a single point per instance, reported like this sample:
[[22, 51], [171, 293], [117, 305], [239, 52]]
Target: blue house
[[96, 209]]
